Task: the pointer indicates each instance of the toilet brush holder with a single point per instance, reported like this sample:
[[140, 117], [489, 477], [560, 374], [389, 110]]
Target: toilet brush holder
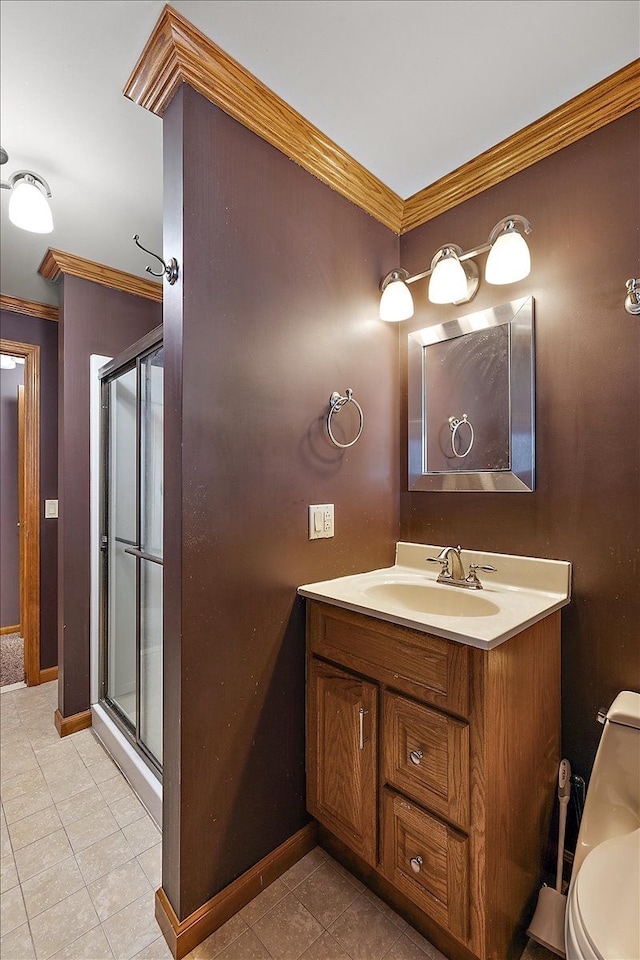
[[547, 925]]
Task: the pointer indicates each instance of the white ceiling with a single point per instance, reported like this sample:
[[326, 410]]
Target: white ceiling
[[410, 88]]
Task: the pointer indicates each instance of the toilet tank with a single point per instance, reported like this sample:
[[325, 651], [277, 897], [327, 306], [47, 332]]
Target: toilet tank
[[613, 798]]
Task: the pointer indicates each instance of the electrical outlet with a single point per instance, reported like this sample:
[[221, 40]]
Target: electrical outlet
[[321, 521]]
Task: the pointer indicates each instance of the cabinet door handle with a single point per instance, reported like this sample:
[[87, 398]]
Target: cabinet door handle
[[361, 739], [416, 756], [416, 864]]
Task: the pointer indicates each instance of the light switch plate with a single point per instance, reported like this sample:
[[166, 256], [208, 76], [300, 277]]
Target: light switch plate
[[51, 509], [321, 521]]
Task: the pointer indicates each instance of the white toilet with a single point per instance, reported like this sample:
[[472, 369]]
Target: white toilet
[[603, 907]]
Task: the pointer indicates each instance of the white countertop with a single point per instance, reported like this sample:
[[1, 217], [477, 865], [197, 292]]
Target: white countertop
[[522, 591]]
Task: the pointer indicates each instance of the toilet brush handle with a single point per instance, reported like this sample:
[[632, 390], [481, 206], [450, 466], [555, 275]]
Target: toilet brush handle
[[564, 779], [564, 803], [564, 791]]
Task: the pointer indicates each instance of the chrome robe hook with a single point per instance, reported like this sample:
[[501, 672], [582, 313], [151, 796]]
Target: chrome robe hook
[[632, 299], [169, 270]]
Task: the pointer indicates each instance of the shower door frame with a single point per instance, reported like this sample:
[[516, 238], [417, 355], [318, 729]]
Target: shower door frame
[[129, 359]]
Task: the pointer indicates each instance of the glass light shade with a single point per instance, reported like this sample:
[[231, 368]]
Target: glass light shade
[[396, 302], [509, 259], [28, 208], [448, 281], [7, 362]]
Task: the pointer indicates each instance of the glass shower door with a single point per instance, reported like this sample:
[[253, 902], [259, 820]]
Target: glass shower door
[[121, 672], [151, 500], [131, 628]]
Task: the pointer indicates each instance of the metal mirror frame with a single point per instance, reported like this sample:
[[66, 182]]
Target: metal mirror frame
[[521, 475]]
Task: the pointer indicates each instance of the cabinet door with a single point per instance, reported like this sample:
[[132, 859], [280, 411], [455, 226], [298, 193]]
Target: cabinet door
[[342, 776]]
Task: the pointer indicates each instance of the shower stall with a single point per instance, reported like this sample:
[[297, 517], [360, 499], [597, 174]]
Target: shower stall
[[128, 714]]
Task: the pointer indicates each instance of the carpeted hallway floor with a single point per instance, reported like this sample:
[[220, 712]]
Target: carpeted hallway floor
[[11, 659]]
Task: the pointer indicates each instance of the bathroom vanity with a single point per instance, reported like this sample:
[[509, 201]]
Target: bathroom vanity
[[432, 754]]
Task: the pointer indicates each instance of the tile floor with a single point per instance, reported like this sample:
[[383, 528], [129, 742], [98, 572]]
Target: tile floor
[[80, 861]]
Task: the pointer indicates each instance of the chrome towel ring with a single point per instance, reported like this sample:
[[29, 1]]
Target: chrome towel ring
[[454, 424], [336, 403]]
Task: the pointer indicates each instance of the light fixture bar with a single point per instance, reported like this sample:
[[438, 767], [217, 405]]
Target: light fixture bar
[[466, 255]]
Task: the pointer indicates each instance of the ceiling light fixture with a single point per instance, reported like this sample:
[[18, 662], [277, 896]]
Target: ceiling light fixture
[[454, 274], [28, 204]]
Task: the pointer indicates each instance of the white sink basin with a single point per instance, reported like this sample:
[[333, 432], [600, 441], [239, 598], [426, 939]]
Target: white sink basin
[[439, 599], [522, 591]]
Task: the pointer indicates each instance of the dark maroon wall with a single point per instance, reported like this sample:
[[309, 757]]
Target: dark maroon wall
[[94, 319], [276, 308], [583, 203], [10, 380], [44, 333]]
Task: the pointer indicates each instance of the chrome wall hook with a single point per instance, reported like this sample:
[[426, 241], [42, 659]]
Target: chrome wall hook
[[632, 299], [169, 270]]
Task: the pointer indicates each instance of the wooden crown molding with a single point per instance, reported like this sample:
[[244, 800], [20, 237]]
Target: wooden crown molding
[[177, 52], [43, 311], [599, 105], [55, 263]]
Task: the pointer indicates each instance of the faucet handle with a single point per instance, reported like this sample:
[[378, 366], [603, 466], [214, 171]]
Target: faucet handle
[[472, 578], [444, 564]]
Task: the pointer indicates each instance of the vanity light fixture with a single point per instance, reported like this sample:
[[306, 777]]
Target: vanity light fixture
[[509, 259], [28, 204], [453, 273], [452, 279], [396, 302]]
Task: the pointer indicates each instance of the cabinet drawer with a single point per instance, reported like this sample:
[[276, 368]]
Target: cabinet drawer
[[428, 668], [425, 754], [428, 861]]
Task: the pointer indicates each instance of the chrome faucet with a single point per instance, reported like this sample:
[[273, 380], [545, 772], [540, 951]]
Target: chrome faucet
[[451, 560], [454, 574]]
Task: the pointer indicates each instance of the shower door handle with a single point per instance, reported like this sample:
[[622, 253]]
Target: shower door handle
[[142, 555]]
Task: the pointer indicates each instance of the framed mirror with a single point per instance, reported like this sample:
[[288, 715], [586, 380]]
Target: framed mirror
[[472, 402]]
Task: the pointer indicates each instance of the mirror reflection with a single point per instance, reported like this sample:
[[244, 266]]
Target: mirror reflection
[[471, 402]]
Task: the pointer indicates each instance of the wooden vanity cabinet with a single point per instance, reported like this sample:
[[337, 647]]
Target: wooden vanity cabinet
[[435, 763]]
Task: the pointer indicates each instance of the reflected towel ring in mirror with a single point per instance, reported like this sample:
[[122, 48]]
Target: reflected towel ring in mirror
[[336, 403], [454, 425]]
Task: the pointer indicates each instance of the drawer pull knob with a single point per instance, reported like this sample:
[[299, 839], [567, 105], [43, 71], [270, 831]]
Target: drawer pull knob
[[416, 864], [416, 756]]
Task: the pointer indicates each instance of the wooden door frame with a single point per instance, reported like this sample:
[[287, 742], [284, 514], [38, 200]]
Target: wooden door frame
[[30, 574]]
